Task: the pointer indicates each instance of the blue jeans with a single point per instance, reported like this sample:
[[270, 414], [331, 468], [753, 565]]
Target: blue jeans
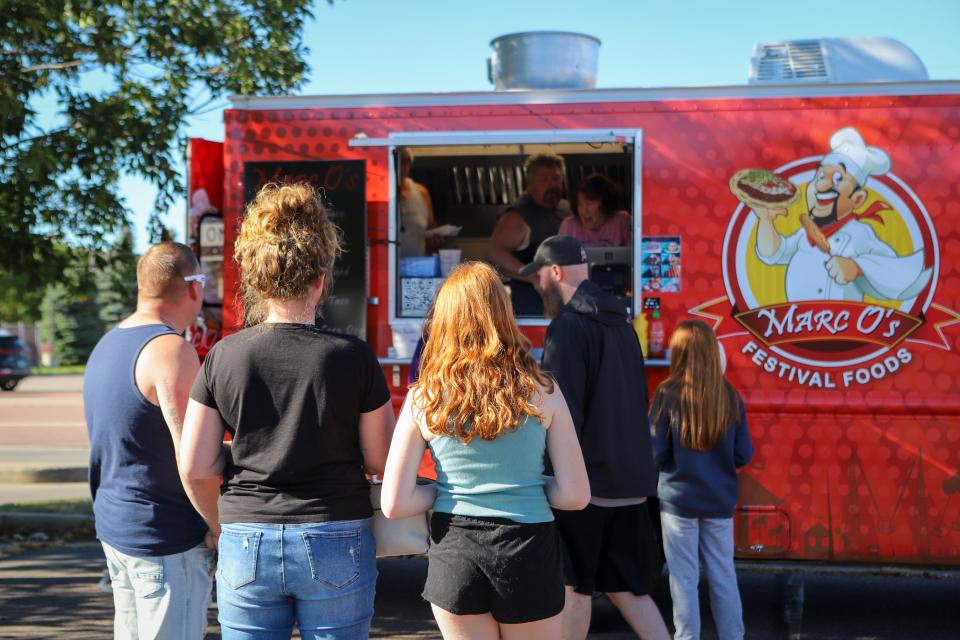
[[161, 597], [323, 575], [686, 541]]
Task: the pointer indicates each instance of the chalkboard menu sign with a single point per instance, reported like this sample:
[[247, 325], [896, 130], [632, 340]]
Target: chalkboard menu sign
[[342, 184]]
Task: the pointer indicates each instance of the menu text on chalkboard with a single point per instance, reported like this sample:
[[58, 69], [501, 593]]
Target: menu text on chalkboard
[[342, 186]]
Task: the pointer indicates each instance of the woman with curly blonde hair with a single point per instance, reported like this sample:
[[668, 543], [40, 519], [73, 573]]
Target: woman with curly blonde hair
[[487, 414], [308, 410]]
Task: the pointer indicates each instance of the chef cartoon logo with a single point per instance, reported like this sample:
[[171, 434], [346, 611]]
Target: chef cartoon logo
[[830, 266]]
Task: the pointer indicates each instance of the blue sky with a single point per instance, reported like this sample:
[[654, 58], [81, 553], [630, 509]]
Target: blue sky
[[387, 46]]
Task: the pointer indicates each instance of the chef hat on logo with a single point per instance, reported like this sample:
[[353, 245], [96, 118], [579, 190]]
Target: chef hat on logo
[[848, 148]]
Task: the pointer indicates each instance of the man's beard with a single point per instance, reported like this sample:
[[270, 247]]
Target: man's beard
[[826, 220], [552, 300], [552, 198]]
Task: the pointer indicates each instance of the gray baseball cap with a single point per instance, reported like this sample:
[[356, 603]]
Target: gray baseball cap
[[562, 251]]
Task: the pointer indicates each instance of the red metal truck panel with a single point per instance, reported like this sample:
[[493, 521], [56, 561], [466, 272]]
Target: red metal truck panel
[[852, 397], [205, 200]]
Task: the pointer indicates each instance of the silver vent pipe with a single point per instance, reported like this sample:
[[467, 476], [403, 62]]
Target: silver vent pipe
[[543, 60]]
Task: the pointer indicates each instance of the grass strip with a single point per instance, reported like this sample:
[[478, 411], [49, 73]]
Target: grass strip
[[81, 506]]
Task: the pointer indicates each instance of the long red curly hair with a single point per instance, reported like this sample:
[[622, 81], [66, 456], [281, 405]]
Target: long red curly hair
[[477, 377]]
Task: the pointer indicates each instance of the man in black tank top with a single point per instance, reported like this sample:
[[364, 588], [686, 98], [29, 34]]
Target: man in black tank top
[[534, 217]]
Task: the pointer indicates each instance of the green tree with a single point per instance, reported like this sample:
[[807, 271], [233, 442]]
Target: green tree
[[71, 322], [116, 281], [18, 301], [20, 296], [125, 74]]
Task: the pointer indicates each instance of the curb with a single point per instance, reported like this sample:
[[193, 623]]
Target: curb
[[30, 476], [49, 521]]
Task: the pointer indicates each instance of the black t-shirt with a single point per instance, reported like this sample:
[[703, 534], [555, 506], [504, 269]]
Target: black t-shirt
[[291, 396]]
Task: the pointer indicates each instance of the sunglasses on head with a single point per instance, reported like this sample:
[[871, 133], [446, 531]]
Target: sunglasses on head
[[197, 277]]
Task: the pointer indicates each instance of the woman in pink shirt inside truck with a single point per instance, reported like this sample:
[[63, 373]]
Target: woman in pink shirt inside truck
[[598, 222]]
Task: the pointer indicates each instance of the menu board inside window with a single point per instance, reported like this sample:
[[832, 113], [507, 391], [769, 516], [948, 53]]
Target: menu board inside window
[[342, 187]]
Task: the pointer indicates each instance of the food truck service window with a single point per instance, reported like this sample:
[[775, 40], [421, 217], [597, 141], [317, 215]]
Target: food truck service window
[[451, 192]]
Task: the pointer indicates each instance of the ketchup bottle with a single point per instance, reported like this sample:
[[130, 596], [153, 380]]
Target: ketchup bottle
[[658, 337]]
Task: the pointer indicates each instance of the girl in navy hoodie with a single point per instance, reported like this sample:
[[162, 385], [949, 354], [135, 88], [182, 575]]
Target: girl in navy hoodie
[[700, 440]]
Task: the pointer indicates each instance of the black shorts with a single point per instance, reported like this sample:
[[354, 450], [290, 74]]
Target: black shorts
[[494, 565], [611, 549]]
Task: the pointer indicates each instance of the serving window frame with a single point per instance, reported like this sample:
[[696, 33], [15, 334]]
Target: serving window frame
[[397, 140]]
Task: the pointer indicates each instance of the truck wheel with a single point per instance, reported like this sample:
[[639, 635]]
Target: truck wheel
[[8, 385]]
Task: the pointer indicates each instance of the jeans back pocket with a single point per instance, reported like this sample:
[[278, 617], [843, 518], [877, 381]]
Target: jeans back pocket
[[147, 579], [238, 557], [334, 556]]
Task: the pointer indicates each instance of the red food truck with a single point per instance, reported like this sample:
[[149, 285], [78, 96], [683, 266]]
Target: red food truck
[[844, 340]]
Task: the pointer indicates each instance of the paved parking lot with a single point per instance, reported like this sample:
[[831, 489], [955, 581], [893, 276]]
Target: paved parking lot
[[41, 592]]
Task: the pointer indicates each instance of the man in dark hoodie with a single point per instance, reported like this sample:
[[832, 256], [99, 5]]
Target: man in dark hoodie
[[593, 352]]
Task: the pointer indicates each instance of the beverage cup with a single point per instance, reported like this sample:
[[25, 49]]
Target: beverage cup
[[405, 337], [449, 260]]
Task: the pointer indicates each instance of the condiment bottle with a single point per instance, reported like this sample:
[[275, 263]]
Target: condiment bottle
[[658, 337], [642, 327]]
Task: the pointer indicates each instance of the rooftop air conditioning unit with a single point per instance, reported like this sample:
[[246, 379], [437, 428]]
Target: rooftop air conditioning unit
[[841, 60]]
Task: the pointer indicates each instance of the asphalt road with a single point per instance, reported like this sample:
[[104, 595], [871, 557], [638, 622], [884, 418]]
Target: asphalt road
[[41, 591], [43, 410], [42, 427]]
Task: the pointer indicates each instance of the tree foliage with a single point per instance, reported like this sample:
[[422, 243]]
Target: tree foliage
[[96, 291], [71, 322], [116, 282], [20, 298], [18, 301], [125, 74]]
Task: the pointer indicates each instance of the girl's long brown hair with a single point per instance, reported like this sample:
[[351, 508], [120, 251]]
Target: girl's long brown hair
[[476, 375], [703, 403]]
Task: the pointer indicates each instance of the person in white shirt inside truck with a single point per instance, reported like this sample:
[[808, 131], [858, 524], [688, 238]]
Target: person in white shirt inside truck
[[416, 210]]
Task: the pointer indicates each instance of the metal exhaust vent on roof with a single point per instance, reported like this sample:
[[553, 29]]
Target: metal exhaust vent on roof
[[543, 60], [835, 60]]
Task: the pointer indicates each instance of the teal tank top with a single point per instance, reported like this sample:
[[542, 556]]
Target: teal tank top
[[501, 478]]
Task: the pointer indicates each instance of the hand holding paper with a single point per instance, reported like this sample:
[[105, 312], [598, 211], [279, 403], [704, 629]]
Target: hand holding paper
[[443, 231]]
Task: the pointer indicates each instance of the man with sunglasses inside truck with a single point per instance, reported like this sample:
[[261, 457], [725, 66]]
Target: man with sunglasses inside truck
[[135, 391]]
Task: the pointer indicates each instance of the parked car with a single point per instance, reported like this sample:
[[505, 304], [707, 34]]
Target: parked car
[[14, 362]]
